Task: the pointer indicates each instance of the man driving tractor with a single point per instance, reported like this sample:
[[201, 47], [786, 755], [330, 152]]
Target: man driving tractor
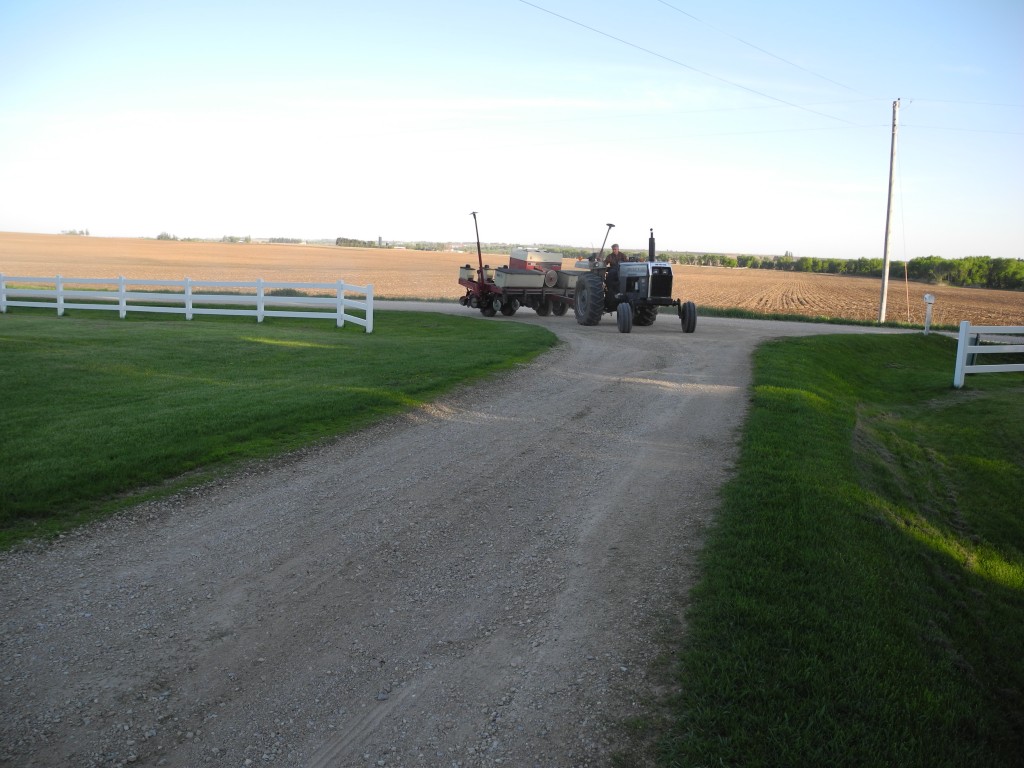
[[612, 261]]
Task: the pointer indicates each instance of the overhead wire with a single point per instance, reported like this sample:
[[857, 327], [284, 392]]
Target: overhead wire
[[684, 65], [760, 49], [971, 103], [962, 130]]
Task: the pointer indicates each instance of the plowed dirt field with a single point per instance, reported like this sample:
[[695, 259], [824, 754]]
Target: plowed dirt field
[[411, 274]]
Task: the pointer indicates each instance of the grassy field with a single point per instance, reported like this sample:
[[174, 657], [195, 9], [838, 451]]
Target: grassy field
[[408, 274], [99, 410], [862, 592]]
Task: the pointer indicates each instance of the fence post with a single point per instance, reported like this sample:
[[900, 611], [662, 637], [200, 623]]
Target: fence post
[[961, 353], [122, 302], [58, 286], [188, 298], [369, 309], [341, 304], [259, 300], [3, 294], [929, 300]]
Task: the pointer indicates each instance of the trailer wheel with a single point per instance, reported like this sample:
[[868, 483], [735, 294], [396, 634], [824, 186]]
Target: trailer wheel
[[646, 315], [624, 317], [688, 316], [559, 308], [487, 309], [543, 307], [589, 304], [508, 308]]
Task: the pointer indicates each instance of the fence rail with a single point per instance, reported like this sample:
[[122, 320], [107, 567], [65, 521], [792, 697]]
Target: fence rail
[[969, 345], [118, 295]]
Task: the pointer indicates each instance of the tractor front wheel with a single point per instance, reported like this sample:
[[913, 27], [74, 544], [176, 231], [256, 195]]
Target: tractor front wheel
[[688, 316], [589, 303], [624, 317]]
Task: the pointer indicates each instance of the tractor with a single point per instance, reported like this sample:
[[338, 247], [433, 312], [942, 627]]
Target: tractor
[[633, 290]]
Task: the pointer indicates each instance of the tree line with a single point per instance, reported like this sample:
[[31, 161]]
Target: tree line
[[970, 271], [1006, 274], [351, 242]]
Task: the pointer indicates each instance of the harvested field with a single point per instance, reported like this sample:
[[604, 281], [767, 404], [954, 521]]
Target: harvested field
[[433, 275], [854, 298]]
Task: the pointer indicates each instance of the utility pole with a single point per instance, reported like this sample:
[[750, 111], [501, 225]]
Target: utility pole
[[888, 212]]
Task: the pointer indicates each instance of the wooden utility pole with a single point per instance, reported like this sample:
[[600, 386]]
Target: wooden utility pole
[[888, 212]]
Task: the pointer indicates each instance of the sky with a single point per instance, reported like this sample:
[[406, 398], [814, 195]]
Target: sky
[[735, 127]]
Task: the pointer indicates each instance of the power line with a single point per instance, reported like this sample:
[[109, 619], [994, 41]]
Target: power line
[[758, 48], [970, 103], [682, 64], [962, 130]]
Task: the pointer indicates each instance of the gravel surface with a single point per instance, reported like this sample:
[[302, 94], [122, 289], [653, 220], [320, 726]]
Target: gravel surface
[[480, 582]]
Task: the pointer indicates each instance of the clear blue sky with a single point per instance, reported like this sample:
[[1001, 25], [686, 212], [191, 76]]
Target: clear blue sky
[[726, 126]]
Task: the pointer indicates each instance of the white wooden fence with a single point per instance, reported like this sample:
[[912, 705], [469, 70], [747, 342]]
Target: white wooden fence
[[180, 297], [969, 344]]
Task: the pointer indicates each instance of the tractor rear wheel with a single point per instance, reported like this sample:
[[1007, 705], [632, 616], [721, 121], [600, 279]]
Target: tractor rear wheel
[[624, 317], [688, 316], [646, 315], [589, 304]]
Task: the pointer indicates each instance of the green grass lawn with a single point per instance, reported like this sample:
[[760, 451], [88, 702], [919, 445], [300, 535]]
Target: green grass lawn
[[862, 591], [97, 411]]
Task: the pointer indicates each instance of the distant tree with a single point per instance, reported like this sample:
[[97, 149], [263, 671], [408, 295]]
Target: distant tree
[[870, 267], [1007, 274], [931, 268], [353, 243], [970, 270], [166, 236], [982, 271]]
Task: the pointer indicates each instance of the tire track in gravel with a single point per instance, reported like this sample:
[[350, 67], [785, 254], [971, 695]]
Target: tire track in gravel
[[478, 582]]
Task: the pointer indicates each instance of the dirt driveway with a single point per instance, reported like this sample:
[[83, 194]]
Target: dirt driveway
[[478, 583]]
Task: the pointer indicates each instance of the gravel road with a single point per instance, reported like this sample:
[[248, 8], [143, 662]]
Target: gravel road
[[480, 582]]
